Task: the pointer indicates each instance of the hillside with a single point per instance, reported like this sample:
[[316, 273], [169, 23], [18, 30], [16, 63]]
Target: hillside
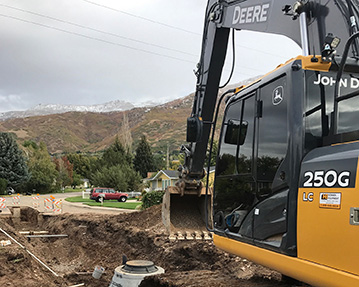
[[163, 125], [91, 132]]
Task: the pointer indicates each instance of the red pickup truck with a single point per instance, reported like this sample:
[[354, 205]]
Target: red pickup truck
[[107, 193]]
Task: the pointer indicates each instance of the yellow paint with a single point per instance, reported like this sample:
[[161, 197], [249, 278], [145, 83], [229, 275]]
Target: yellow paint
[[314, 274], [307, 64], [324, 234], [163, 176], [345, 143]]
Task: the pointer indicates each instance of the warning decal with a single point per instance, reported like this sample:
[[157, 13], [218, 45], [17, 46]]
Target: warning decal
[[330, 200]]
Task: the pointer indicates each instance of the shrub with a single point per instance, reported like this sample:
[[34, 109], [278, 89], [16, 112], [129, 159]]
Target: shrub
[[152, 198]]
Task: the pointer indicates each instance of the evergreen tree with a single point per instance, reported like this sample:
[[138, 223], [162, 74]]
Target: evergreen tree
[[143, 161], [13, 166], [116, 154]]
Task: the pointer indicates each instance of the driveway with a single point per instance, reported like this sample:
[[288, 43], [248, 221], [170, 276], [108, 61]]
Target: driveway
[[67, 207]]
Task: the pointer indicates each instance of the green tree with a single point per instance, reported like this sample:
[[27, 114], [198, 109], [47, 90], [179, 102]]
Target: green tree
[[76, 179], [113, 176], [13, 166], [42, 169], [115, 169], [143, 161], [83, 165]]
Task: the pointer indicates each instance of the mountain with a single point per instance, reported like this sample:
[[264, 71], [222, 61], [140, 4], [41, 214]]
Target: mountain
[[94, 129], [50, 109]]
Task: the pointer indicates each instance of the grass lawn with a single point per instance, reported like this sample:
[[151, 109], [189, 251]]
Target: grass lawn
[[106, 203]]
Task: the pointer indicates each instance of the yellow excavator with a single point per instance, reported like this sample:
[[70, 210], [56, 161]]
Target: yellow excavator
[[286, 187]]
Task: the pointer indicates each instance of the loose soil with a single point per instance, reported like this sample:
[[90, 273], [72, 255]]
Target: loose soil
[[104, 239]]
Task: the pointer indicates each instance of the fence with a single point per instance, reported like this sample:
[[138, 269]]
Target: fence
[[36, 201], [16, 200], [48, 204], [86, 193], [52, 205], [57, 206], [2, 202]]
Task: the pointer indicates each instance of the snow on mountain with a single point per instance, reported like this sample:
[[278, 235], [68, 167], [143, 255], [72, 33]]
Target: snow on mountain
[[118, 106], [101, 108], [49, 109]]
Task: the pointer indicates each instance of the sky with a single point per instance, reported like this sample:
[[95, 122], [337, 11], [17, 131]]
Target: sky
[[86, 52]]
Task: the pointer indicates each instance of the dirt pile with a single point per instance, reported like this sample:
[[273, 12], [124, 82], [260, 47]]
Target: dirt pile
[[103, 240]]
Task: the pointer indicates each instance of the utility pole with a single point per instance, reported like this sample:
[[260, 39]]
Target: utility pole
[[168, 157]]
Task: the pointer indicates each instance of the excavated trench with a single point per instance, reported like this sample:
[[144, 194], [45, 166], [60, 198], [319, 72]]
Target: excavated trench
[[103, 239]]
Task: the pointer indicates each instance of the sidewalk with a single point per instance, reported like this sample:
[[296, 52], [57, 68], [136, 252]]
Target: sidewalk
[[67, 207]]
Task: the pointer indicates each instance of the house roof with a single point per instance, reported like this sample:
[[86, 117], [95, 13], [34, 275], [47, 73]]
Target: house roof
[[211, 169], [172, 174]]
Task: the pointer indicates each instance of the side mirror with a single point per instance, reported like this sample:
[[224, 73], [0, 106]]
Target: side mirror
[[194, 129], [236, 132]]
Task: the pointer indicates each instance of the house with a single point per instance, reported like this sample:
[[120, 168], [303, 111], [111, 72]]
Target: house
[[85, 183], [163, 179], [212, 170]]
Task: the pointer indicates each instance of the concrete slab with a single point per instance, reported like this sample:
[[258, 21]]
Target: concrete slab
[[5, 212], [17, 211]]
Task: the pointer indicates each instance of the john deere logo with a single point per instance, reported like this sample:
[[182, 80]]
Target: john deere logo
[[277, 96]]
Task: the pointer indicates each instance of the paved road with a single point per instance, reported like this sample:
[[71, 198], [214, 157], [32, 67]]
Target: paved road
[[67, 207]]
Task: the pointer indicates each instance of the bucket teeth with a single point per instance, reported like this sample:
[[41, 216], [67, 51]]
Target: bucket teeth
[[189, 235], [206, 235], [180, 236], [198, 235]]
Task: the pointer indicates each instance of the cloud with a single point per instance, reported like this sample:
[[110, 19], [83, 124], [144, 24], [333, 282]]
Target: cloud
[[12, 102], [54, 62]]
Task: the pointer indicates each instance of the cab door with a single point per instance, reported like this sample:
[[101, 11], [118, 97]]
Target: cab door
[[270, 218], [234, 194]]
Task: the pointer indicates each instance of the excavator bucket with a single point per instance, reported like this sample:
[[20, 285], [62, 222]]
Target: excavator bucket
[[183, 213]]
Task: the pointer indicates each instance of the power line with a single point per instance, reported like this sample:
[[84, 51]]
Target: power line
[[168, 26], [142, 18], [96, 39], [107, 33], [97, 30], [109, 42]]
